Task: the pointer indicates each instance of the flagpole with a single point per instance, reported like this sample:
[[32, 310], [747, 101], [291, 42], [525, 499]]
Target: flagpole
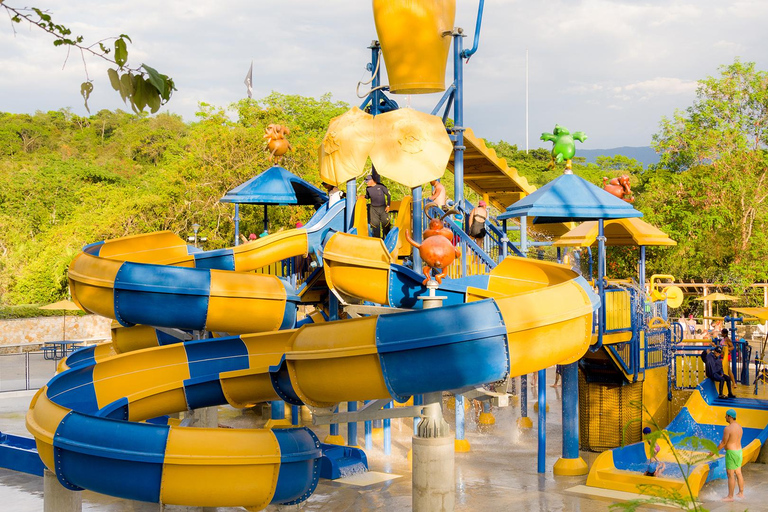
[[249, 81], [526, 100]]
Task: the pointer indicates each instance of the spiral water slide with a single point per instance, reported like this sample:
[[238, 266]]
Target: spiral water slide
[[97, 424]]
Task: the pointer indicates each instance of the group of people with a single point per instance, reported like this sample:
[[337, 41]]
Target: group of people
[[381, 203], [691, 330]]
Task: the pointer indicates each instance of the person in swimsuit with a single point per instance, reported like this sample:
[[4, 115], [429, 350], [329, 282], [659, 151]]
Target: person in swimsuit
[[733, 456], [477, 218], [654, 465]]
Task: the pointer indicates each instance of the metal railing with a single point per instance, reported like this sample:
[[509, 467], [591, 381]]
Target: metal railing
[[24, 371], [474, 257], [296, 269], [658, 343]]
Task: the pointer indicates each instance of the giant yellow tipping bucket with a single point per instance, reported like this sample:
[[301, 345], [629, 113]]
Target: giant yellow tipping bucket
[[412, 41]]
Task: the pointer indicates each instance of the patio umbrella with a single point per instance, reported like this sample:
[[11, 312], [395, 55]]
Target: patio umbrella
[[717, 296], [62, 305], [345, 147], [411, 147]]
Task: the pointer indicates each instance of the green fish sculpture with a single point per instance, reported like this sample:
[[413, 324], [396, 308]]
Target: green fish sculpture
[[563, 147]]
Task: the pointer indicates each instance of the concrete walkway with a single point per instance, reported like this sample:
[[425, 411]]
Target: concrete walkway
[[499, 473]]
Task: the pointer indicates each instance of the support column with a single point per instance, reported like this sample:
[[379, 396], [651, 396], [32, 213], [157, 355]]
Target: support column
[[352, 426], [571, 463], [388, 432], [416, 216], [542, 420], [433, 480], [277, 415], [237, 224], [57, 498], [461, 443], [333, 436], [524, 421]]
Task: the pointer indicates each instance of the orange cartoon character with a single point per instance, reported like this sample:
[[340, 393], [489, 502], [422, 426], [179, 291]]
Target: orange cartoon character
[[436, 250], [277, 143], [619, 187]]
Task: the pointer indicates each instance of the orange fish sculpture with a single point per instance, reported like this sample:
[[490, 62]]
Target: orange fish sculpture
[[619, 187], [277, 143], [436, 250]]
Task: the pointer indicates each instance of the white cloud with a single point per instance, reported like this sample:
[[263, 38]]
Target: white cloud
[[593, 63]]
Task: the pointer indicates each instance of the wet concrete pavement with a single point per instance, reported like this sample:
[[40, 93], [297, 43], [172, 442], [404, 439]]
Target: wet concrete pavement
[[499, 473]]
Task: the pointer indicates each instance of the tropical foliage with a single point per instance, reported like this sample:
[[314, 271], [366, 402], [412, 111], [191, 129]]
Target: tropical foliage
[[67, 180]]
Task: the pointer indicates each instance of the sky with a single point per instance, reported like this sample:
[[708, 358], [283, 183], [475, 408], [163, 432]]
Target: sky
[[612, 69]]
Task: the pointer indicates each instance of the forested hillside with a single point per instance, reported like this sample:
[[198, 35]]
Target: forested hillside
[[67, 180]]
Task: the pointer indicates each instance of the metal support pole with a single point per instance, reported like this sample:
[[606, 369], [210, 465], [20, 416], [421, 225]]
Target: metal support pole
[[504, 239], [417, 400], [368, 429], [352, 426], [600, 283], [570, 463], [266, 221], [388, 432], [524, 235], [458, 110], [278, 410], [295, 415], [641, 268], [542, 420], [524, 421], [349, 207], [461, 443], [417, 228], [237, 224]]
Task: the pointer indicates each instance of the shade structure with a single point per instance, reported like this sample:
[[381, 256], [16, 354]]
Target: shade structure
[[759, 313], [276, 186], [62, 305], [570, 198], [412, 148], [345, 147], [718, 296], [624, 232]]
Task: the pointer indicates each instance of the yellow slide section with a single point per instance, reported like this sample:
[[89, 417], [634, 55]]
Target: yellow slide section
[[166, 248], [546, 306]]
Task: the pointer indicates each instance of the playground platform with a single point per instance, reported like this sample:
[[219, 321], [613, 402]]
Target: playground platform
[[499, 473]]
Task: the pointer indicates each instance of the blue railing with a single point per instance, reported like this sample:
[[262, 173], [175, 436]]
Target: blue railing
[[473, 257], [658, 347]]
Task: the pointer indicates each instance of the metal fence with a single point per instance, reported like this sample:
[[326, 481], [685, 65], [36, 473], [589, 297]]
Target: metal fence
[[26, 370]]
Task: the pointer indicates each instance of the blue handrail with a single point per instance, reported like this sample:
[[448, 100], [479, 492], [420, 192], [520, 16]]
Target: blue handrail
[[464, 239], [466, 54]]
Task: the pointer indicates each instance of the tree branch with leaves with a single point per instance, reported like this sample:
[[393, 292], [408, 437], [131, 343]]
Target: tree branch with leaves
[[141, 87]]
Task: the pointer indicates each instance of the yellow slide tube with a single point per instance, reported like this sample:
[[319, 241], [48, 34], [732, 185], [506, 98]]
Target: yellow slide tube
[[548, 315]]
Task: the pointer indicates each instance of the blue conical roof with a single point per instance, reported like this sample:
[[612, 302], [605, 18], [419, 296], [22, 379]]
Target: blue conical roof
[[570, 198], [276, 186]]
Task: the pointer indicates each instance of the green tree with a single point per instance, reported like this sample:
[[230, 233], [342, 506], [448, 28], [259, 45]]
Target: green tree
[[709, 189]]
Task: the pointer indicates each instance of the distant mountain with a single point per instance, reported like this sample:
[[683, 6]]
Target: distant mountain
[[644, 154]]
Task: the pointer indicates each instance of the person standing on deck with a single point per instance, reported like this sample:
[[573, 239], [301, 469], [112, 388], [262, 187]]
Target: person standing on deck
[[378, 211]]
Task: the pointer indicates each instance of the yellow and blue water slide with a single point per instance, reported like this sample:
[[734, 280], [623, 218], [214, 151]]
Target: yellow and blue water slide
[[99, 423], [157, 279], [703, 416]]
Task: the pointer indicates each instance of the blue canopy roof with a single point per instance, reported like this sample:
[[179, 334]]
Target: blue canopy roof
[[570, 198], [276, 186]]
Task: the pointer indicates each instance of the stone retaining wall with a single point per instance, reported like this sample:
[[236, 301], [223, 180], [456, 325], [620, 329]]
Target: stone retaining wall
[[32, 332]]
